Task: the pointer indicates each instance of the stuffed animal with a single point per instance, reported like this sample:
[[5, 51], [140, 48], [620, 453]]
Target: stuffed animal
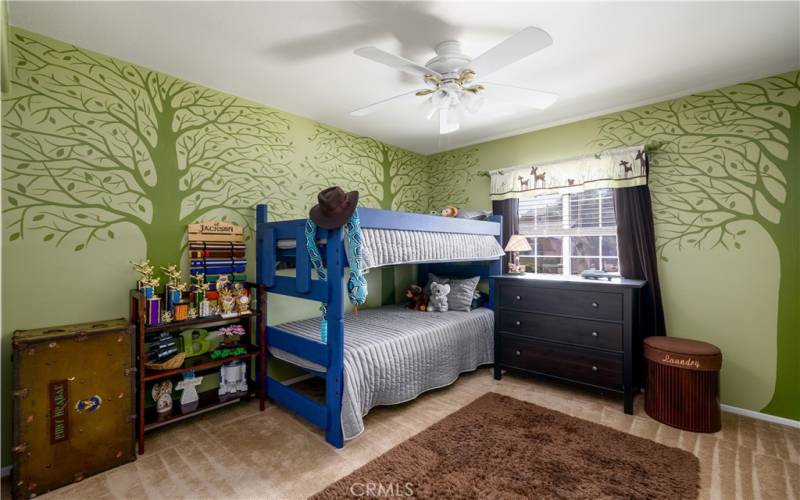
[[449, 211], [438, 298], [416, 299], [411, 296]]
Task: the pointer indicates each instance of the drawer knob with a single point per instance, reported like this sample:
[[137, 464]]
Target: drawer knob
[[595, 334], [594, 368], [517, 353], [595, 305], [518, 297], [517, 323]]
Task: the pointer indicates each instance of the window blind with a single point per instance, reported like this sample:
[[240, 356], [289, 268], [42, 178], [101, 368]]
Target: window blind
[[587, 212]]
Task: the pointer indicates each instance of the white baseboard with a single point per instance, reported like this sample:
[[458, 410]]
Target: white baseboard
[[5, 471], [761, 416]]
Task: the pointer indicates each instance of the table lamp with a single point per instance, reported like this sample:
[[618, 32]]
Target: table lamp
[[515, 245]]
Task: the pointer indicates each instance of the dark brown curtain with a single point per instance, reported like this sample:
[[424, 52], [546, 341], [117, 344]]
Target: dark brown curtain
[[637, 252], [509, 209]]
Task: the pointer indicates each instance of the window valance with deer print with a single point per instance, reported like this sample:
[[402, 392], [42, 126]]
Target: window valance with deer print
[[614, 168]]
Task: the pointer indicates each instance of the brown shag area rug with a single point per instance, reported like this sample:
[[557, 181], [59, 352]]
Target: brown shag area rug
[[501, 447]]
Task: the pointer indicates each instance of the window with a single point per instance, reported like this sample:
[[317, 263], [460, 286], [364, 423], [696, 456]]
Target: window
[[569, 233]]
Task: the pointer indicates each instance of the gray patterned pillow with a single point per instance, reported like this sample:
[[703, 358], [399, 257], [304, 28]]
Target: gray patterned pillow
[[461, 291]]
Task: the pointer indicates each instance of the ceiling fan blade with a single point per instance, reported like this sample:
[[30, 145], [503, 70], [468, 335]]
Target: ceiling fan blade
[[397, 62], [510, 50], [378, 105], [518, 95]]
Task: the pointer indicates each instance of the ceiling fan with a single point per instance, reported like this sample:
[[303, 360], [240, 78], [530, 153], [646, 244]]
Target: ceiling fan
[[452, 77]]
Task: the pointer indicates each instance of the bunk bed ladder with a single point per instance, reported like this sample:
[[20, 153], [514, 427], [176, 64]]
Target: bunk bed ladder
[[330, 355]]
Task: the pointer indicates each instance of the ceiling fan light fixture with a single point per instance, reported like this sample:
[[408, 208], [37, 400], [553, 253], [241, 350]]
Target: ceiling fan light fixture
[[432, 109], [472, 101], [446, 125]]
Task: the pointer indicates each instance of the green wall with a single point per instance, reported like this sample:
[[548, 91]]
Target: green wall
[[725, 181], [105, 162]]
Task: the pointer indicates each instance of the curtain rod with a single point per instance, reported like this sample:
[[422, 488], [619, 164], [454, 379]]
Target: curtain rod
[[572, 158]]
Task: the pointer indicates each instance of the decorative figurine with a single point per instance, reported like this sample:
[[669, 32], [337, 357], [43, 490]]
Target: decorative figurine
[[189, 397], [192, 312], [174, 286], [227, 302], [199, 287], [146, 284], [242, 299], [166, 317], [162, 395], [222, 282], [233, 378], [201, 303], [204, 309]]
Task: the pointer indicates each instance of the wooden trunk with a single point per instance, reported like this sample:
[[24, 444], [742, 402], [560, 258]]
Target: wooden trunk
[[73, 403]]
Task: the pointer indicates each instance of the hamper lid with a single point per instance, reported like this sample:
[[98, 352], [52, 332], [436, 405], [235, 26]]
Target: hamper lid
[[683, 353]]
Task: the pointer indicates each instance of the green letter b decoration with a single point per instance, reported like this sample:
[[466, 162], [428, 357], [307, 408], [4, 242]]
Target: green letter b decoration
[[195, 342]]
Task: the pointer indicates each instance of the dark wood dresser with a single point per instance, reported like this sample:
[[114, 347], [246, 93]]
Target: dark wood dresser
[[572, 329]]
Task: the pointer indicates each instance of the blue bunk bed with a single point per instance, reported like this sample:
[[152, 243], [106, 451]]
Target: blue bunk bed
[[284, 242]]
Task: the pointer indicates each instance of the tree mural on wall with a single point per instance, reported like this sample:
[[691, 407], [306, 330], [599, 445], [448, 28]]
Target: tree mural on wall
[[449, 174], [385, 176], [91, 143], [723, 159], [389, 177]]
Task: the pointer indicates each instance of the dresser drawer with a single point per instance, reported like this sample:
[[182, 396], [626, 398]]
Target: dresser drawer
[[598, 368], [581, 332], [587, 304]]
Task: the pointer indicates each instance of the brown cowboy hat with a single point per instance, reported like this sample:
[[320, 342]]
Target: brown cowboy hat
[[335, 207]]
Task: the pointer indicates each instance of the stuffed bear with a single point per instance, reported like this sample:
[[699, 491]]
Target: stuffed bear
[[438, 298], [416, 299], [450, 211]]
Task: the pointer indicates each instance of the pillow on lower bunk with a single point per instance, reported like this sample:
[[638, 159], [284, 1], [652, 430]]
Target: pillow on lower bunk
[[461, 291]]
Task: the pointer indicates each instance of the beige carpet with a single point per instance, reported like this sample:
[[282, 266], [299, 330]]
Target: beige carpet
[[241, 453], [502, 447]]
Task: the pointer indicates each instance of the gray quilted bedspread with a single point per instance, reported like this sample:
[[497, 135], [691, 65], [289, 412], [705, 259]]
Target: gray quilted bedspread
[[393, 354], [385, 247]]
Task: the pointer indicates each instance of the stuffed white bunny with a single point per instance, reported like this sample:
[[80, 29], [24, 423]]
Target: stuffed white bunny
[[438, 298]]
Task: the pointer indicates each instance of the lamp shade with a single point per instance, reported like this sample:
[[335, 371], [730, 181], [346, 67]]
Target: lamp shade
[[518, 243]]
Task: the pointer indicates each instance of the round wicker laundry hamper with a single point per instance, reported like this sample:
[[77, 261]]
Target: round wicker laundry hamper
[[683, 383]]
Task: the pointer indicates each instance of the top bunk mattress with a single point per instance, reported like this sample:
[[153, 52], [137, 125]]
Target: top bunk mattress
[[388, 247]]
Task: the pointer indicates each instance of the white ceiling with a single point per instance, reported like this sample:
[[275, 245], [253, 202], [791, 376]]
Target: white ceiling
[[298, 56]]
